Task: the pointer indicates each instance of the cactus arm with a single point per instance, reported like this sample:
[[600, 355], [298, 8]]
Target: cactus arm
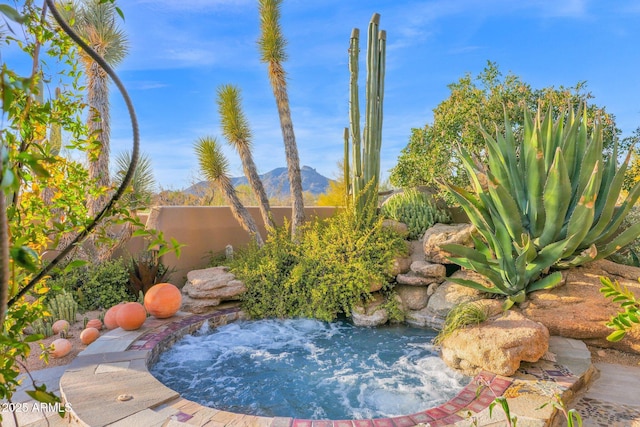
[[370, 91], [354, 111], [345, 165]]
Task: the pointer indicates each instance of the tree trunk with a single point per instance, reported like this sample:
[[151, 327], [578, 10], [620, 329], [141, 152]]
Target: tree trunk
[[278, 83], [255, 182], [241, 213]]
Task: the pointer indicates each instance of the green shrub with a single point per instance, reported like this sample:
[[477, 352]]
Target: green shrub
[[623, 321], [415, 209], [98, 285], [326, 273], [547, 200]]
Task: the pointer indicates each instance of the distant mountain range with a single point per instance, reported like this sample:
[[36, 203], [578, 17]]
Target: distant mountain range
[[276, 182]]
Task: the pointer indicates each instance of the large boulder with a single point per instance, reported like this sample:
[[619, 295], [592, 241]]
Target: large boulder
[[413, 297], [401, 265], [372, 313], [437, 272], [412, 279], [424, 318], [207, 288], [578, 310], [450, 294], [441, 234], [497, 345]]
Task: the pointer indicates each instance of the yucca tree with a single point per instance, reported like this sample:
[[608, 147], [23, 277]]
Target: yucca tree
[[143, 183], [96, 22], [235, 129], [272, 48], [214, 167], [546, 201]]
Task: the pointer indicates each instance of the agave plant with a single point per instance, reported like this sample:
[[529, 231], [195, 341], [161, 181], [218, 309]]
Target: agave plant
[[546, 201]]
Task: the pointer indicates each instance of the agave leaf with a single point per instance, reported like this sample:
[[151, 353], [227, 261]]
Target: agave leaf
[[475, 285], [472, 170], [582, 216], [508, 146], [581, 146], [546, 139], [608, 177], [587, 255], [476, 212], [464, 251], [556, 199], [568, 144], [608, 201], [620, 214], [592, 156], [623, 239], [547, 256], [548, 282], [507, 208], [534, 179], [481, 246]]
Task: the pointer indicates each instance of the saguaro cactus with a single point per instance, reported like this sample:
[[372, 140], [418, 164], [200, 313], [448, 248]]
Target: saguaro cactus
[[366, 150]]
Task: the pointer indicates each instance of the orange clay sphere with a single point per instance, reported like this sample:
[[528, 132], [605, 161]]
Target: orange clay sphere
[[61, 347], [89, 335], [59, 326], [94, 323], [110, 316], [131, 316], [163, 300]]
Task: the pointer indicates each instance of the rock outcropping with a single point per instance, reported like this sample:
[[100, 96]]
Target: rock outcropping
[[497, 345], [207, 288]]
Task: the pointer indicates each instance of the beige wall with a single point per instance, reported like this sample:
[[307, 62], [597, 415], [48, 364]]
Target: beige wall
[[207, 230]]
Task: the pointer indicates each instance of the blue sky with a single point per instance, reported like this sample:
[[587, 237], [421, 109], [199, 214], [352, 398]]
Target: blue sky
[[182, 50]]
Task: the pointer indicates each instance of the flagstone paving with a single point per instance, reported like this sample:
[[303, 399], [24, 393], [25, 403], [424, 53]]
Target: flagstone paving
[[109, 384]]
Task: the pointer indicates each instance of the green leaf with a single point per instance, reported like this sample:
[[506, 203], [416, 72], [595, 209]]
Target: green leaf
[[548, 282], [33, 337], [616, 336], [12, 14], [25, 257], [41, 395], [74, 264]]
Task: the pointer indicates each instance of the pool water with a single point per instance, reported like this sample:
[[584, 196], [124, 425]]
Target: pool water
[[309, 369]]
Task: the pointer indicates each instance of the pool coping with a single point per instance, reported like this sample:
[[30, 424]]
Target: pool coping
[[109, 384]]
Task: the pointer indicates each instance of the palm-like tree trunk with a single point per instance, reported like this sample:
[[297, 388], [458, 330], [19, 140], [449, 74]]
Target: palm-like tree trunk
[[251, 172], [214, 166], [235, 128], [98, 122], [272, 44], [240, 213], [279, 85]]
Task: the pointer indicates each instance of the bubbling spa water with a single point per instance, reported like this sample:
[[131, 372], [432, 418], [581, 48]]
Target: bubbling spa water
[[309, 369]]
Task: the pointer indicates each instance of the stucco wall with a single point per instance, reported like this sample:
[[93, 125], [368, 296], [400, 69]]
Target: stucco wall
[[207, 230]]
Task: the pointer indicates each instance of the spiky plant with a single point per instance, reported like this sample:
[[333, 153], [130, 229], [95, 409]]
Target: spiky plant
[[235, 129], [548, 200], [142, 184], [272, 48], [214, 167], [96, 22]]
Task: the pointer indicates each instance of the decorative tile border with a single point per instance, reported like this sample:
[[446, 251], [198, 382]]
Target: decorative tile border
[[475, 397]]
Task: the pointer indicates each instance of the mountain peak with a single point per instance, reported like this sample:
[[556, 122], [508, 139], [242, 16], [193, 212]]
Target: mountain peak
[[276, 182]]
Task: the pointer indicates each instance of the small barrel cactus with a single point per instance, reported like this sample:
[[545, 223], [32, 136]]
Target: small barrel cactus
[[416, 210]]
